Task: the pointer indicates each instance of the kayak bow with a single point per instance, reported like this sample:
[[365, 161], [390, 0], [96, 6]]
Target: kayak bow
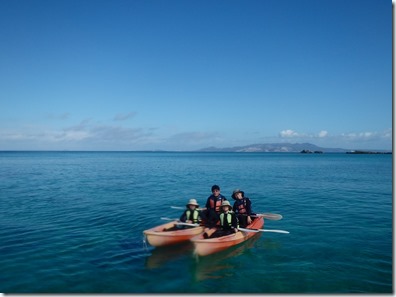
[[204, 247], [156, 236]]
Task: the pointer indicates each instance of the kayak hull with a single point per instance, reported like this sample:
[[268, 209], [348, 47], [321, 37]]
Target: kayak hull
[[204, 247], [157, 237]]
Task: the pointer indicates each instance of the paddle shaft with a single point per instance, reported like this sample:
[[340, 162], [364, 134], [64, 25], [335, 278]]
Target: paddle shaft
[[180, 223], [241, 229], [268, 216], [180, 207], [263, 230], [187, 224]]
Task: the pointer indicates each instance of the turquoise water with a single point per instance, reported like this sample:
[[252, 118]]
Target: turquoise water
[[72, 222]]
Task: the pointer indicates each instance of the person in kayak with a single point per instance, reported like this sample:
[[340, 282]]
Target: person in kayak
[[228, 222], [242, 207], [190, 215], [213, 206]]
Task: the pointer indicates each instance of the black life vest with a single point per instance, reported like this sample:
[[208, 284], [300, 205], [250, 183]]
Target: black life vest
[[226, 220], [241, 206], [192, 215]]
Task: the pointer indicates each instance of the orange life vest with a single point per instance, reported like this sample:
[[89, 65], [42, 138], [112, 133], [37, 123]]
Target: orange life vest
[[216, 204]]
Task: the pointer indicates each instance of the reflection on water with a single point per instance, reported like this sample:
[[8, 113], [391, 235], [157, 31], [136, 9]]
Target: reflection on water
[[269, 244], [214, 266], [161, 255]]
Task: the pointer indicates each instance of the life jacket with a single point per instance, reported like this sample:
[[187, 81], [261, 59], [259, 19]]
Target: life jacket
[[241, 206], [192, 215], [216, 204], [226, 224], [229, 218]]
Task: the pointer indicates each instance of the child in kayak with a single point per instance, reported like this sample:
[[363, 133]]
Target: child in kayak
[[191, 215], [228, 222], [242, 207]]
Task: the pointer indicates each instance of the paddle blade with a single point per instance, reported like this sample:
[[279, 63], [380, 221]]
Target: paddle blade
[[168, 219], [263, 230], [275, 231], [270, 216]]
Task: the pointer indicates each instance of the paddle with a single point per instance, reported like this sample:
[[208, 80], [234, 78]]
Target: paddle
[[263, 230], [269, 216], [180, 223], [168, 219], [241, 229], [179, 207], [188, 224]]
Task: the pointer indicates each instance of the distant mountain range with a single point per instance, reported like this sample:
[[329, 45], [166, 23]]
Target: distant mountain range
[[276, 147]]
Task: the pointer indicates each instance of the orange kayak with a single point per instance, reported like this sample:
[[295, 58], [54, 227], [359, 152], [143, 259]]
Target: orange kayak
[[158, 237], [204, 247]]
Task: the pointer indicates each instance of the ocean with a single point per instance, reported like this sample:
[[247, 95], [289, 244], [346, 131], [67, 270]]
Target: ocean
[[73, 222]]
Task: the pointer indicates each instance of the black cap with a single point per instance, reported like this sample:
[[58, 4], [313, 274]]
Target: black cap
[[215, 187]]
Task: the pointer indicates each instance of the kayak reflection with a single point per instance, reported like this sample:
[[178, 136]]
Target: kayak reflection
[[161, 255], [213, 266]]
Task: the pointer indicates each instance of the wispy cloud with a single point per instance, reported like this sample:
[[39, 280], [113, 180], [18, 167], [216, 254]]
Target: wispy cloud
[[293, 134], [368, 135], [124, 116], [92, 135], [361, 139], [191, 140], [85, 135], [194, 137], [358, 136], [87, 130], [62, 116]]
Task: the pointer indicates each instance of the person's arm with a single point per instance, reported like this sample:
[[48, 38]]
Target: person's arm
[[234, 207], [217, 216], [248, 207], [248, 211], [202, 214], [234, 221], [183, 217], [207, 205]]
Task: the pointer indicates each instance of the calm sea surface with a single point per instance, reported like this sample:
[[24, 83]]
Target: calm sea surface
[[72, 222]]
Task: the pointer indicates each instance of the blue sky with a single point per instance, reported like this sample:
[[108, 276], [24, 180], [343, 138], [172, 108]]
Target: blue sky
[[185, 75]]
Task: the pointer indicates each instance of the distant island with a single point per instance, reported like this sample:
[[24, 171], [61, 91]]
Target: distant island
[[368, 152], [288, 148]]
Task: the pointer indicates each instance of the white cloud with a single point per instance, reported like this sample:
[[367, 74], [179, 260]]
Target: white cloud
[[322, 133], [288, 134]]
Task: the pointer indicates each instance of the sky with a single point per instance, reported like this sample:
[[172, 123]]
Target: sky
[[189, 74]]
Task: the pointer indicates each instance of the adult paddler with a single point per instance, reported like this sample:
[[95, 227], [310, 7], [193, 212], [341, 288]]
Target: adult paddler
[[213, 206]]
